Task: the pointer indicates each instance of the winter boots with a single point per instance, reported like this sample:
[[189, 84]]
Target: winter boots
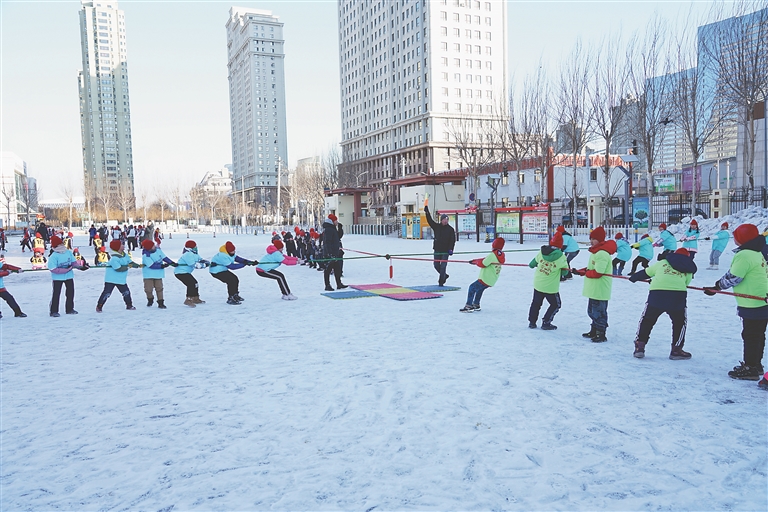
[[639, 349], [196, 300], [678, 353], [763, 384], [150, 301], [548, 327], [599, 336], [232, 301], [189, 301], [590, 334], [744, 372], [161, 304]]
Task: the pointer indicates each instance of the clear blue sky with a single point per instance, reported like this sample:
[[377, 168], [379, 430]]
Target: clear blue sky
[[178, 77]]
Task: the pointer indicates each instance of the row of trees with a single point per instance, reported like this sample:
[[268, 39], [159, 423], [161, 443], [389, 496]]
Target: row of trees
[[693, 84]]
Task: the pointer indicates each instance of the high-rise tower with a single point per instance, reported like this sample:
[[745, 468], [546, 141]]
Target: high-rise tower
[[411, 71], [255, 50], [105, 119]]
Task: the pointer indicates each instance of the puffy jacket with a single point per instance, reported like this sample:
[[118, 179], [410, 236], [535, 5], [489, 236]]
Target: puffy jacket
[[691, 239], [222, 261], [445, 235], [5, 270], [749, 264], [569, 243], [645, 246], [274, 259], [188, 262], [550, 264], [599, 287], [720, 240], [60, 264], [153, 264], [331, 240], [490, 267], [668, 241], [117, 269], [623, 250]]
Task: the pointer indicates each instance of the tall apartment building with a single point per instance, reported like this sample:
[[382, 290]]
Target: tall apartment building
[[256, 64], [105, 109], [411, 71]]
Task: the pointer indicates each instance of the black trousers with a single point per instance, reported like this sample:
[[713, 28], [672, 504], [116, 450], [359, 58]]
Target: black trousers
[[335, 266], [122, 288], [69, 293], [230, 279], [637, 261], [190, 282], [538, 299], [132, 243], [7, 297], [277, 276], [753, 334], [649, 317]]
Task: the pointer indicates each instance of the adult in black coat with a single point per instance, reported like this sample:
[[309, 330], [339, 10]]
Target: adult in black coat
[[445, 240], [332, 250]]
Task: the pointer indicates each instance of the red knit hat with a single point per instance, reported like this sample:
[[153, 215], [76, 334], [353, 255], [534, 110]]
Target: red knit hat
[[745, 233], [662, 226], [724, 225], [148, 244], [278, 244], [598, 234], [102, 249], [55, 241], [115, 245], [190, 244], [683, 251], [557, 240], [561, 229], [498, 244], [230, 248], [618, 235], [333, 217], [694, 223]]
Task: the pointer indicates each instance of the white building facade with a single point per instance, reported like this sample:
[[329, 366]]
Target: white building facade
[[256, 64], [105, 113], [18, 192], [411, 70]]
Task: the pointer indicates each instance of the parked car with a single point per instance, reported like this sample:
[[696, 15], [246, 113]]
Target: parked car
[[618, 220], [675, 215], [581, 220]]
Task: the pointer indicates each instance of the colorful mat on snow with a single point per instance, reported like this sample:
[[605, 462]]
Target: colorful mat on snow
[[391, 291]]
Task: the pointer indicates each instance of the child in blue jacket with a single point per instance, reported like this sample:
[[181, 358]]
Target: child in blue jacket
[[154, 261], [691, 239], [623, 254], [188, 262], [570, 249], [221, 265], [115, 275], [719, 243], [5, 270], [269, 263], [666, 240], [645, 246], [60, 263]]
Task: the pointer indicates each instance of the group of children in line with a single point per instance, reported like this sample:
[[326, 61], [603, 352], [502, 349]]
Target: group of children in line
[[669, 278]]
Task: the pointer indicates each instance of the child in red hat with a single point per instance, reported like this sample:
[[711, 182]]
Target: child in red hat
[[221, 266], [186, 264], [748, 275], [6, 270], [60, 263], [691, 239], [267, 267], [623, 254], [490, 269], [154, 261], [116, 274], [551, 266], [598, 282], [719, 243]]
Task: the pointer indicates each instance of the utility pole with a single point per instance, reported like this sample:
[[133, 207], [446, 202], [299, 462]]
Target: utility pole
[[242, 197], [279, 162]]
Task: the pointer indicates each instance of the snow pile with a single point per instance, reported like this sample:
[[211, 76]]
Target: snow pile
[[756, 215]]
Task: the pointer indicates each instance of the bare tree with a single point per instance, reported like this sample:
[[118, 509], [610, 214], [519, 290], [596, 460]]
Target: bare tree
[[9, 199], [476, 146], [650, 85], [573, 116], [694, 96], [68, 192], [144, 197], [330, 161], [607, 103], [737, 48], [105, 198], [90, 195], [536, 102], [125, 199]]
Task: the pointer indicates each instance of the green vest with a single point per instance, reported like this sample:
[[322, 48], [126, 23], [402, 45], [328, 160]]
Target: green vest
[[751, 267], [600, 288], [490, 274], [667, 278], [546, 277]]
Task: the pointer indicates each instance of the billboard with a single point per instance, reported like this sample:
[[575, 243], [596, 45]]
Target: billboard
[[508, 223], [664, 183], [640, 211]]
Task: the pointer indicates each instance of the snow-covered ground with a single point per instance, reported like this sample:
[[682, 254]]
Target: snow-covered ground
[[371, 404]]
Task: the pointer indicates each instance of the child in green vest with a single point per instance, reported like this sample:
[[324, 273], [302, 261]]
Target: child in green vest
[[490, 269], [598, 282], [670, 277], [748, 275], [551, 266]]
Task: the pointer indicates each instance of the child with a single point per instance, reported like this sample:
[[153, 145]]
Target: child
[[154, 262], [116, 275], [221, 264], [102, 257], [666, 239], [551, 265], [719, 243], [668, 293], [489, 274], [290, 245], [691, 239], [98, 244], [5, 270], [598, 282], [188, 262], [269, 263], [38, 242], [623, 254], [645, 246], [61, 263], [570, 248], [38, 259], [747, 275]]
